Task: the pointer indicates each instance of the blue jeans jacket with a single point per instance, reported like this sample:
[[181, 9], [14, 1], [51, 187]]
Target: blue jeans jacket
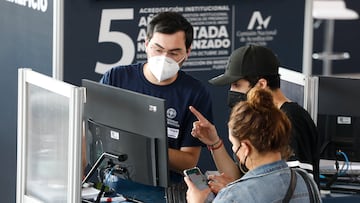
[[267, 183]]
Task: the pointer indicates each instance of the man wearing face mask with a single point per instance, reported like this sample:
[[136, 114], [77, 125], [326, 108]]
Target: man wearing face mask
[[168, 44], [251, 66]]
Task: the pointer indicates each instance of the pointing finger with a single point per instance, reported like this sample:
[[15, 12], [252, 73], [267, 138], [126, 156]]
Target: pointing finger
[[197, 114]]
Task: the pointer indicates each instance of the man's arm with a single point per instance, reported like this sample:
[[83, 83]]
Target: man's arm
[[186, 157]]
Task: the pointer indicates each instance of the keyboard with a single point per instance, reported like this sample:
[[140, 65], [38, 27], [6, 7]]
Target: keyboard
[[176, 193], [327, 167], [351, 172]]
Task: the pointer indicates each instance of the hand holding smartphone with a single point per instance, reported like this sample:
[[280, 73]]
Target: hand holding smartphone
[[199, 180], [197, 177]]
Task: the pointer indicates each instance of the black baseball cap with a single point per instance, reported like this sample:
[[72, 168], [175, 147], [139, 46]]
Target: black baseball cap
[[250, 60]]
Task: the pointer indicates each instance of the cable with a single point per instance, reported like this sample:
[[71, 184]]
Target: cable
[[100, 193], [340, 172], [122, 171], [108, 175], [346, 163]]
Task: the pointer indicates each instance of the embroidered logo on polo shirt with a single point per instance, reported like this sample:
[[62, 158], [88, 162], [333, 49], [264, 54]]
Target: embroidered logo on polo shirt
[[171, 113], [172, 132]]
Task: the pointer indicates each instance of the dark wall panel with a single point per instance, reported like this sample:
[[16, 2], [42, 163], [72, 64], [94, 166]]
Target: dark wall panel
[[25, 41]]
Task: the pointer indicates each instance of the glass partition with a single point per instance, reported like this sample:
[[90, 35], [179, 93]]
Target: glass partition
[[293, 85], [49, 139]]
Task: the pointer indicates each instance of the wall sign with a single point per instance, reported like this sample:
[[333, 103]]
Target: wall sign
[[113, 33]]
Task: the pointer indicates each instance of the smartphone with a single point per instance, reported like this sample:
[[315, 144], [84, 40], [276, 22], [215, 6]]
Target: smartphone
[[197, 177]]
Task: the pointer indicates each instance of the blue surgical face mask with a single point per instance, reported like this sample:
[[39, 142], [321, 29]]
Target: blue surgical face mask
[[235, 97]]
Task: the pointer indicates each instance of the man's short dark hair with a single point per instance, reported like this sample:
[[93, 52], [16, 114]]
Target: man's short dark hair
[[273, 81], [170, 23]]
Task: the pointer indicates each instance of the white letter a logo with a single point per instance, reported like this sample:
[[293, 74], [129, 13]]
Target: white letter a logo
[[256, 17]]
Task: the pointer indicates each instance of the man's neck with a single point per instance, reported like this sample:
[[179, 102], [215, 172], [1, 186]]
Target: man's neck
[[279, 98]]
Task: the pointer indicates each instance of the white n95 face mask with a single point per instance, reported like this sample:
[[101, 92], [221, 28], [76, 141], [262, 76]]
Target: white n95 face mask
[[163, 67]]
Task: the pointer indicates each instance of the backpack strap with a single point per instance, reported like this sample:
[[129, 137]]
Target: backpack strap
[[291, 188], [312, 188]]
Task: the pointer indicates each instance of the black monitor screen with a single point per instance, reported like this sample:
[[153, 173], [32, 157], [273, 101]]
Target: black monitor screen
[[339, 132], [338, 118], [139, 166], [121, 122]]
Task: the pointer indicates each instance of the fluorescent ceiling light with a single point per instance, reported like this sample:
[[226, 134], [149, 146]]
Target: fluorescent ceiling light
[[333, 9]]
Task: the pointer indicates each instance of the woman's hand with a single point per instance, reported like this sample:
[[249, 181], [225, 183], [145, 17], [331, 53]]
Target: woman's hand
[[203, 129], [218, 182], [193, 194]]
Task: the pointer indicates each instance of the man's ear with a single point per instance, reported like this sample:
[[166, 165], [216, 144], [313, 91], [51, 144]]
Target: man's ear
[[188, 52], [262, 83], [146, 44]]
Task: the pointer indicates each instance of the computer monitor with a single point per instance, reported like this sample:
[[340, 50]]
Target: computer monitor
[[339, 132], [121, 121], [338, 116]]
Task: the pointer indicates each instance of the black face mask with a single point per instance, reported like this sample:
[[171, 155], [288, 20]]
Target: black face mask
[[241, 166], [235, 97], [235, 158]]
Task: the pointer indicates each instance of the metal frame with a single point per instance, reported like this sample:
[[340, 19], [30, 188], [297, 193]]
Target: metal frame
[[58, 40], [308, 39]]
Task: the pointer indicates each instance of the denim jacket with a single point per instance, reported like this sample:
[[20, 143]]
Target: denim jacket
[[267, 183]]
